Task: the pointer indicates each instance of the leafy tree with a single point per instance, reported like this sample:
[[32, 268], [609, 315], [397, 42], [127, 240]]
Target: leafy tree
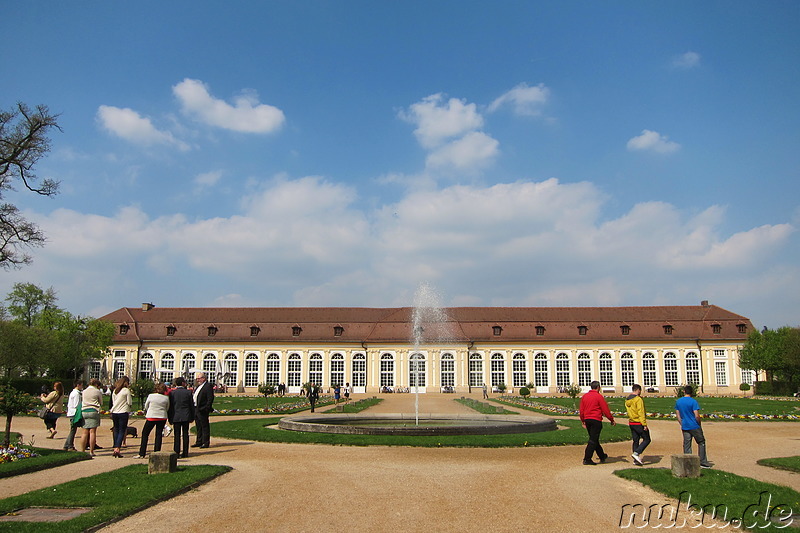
[[23, 141], [12, 402], [141, 388], [777, 352], [266, 389], [29, 304]]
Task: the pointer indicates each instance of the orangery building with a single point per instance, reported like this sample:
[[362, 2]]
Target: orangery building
[[374, 349]]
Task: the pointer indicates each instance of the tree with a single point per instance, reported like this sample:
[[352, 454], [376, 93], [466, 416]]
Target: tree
[[266, 389], [23, 141], [12, 402], [777, 352], [30, 304]]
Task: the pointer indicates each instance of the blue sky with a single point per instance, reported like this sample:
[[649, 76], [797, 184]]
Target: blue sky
[[342, 153]]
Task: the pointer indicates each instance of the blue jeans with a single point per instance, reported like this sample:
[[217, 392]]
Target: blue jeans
[[697, 435], [120, 421]]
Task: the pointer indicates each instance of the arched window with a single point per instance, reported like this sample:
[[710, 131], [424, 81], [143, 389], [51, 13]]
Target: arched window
[[519, 370], [671, 370], [387, 370], [273, 376], [649, 370], [475, 370], [627, 369], [606, 370], [337, 369], [167, 368], [251, 370], [498, 369], [315, 368], [188, 367], [563, 377], [145, 367], [416, 370], [210, 368], [448, 370], [584, 369], [541, 374], [294, 367], [359, 378], [692, 368], [231, 370]]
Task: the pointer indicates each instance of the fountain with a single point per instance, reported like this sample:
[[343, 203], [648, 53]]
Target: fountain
[[429, 324]]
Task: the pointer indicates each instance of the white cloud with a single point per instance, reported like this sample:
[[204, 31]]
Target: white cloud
[[524, 100], [207, 179], [129, 125], [686, 61], [245, 115], [438, 120], [474, 150], [652, 141]]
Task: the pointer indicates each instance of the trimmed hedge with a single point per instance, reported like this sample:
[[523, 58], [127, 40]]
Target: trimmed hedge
[[775, 388]]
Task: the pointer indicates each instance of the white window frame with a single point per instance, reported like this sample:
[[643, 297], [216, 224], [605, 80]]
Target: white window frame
[[519, 370]]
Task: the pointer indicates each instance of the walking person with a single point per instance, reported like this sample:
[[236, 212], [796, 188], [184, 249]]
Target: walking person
[[637, 421], [156, 408], [55, 407], [337, 394], [73, 402], [121, 403], [485, 392], [203, 405], [313, 395], [91, 402], [593, 408], [180, 415], [347, 392], [688, 412]]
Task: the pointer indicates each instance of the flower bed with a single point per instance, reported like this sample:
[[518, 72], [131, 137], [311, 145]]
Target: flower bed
[[15, 453]]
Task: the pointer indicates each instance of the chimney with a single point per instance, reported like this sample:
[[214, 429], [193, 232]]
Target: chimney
[[704, 303], [147, 306]]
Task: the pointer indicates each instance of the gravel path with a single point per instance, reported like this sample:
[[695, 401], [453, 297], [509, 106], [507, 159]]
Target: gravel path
[[283, 487]]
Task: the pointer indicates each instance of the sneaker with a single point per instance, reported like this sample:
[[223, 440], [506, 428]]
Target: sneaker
[[138, 456], [589, 462], [705, 465], [636, 460]]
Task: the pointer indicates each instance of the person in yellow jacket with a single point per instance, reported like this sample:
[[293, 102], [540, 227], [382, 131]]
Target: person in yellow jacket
[[637, 420]]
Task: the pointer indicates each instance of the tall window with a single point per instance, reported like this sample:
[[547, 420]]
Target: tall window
[[563, 378], [498, 369], [145, 367], [251, 370], [648, 370], [231, 377], [540, 372], [692, 368], [475, 370], [387, 370], [520, 372], [448, 369], [584, 369], [95, 368], [337, 369], [606, 370], [119, 365], [210, 368], [188, 367], [671, 370], [273, 376], [416, 370], [748, 376], [359, 378], [293, 367], [627, 370], [721, 373], [315, 368], [167, 368]]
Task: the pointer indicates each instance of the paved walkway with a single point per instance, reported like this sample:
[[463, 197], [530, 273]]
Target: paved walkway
[[282, 487]]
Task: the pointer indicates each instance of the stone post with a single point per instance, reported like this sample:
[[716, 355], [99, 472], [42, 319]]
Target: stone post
[[685, 465], [162, 463]]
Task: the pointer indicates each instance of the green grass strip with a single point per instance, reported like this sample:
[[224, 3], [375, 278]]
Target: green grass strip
[[728, 497], [112, 495], [47, 458], [256, 430], [782, 463], [355, 407], [485, 408]]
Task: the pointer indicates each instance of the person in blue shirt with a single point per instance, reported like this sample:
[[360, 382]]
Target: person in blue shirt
[[688, 412]]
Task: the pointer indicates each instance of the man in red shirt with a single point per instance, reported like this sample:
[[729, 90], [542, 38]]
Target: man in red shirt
[[592, 410]]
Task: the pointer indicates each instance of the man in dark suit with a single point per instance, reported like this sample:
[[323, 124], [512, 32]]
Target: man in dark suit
[[181, 414], [203, 404]]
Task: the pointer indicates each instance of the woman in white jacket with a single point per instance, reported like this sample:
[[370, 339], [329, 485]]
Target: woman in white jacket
[[121, 402], [156, 407]]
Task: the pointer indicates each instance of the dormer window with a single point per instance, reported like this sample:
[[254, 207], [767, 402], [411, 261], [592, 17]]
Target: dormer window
[[123, 329], [716, 329], [667, 329], [582, 330], [212, 330], [171, 331], [741, 328], [296, 331], [625, 329], [540, 330], [254, 331], [497, 331], [337, 331]]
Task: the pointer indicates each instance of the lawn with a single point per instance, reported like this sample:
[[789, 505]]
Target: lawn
[[256, 430], [112, 495], [783, 463], [729, 496], [46, 458]]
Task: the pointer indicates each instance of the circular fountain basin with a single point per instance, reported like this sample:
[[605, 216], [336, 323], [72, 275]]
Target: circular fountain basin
[[406, 424]]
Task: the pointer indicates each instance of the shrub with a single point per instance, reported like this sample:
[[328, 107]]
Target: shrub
[[524, 392], [774, 388], [141, 388], [744, 387]]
